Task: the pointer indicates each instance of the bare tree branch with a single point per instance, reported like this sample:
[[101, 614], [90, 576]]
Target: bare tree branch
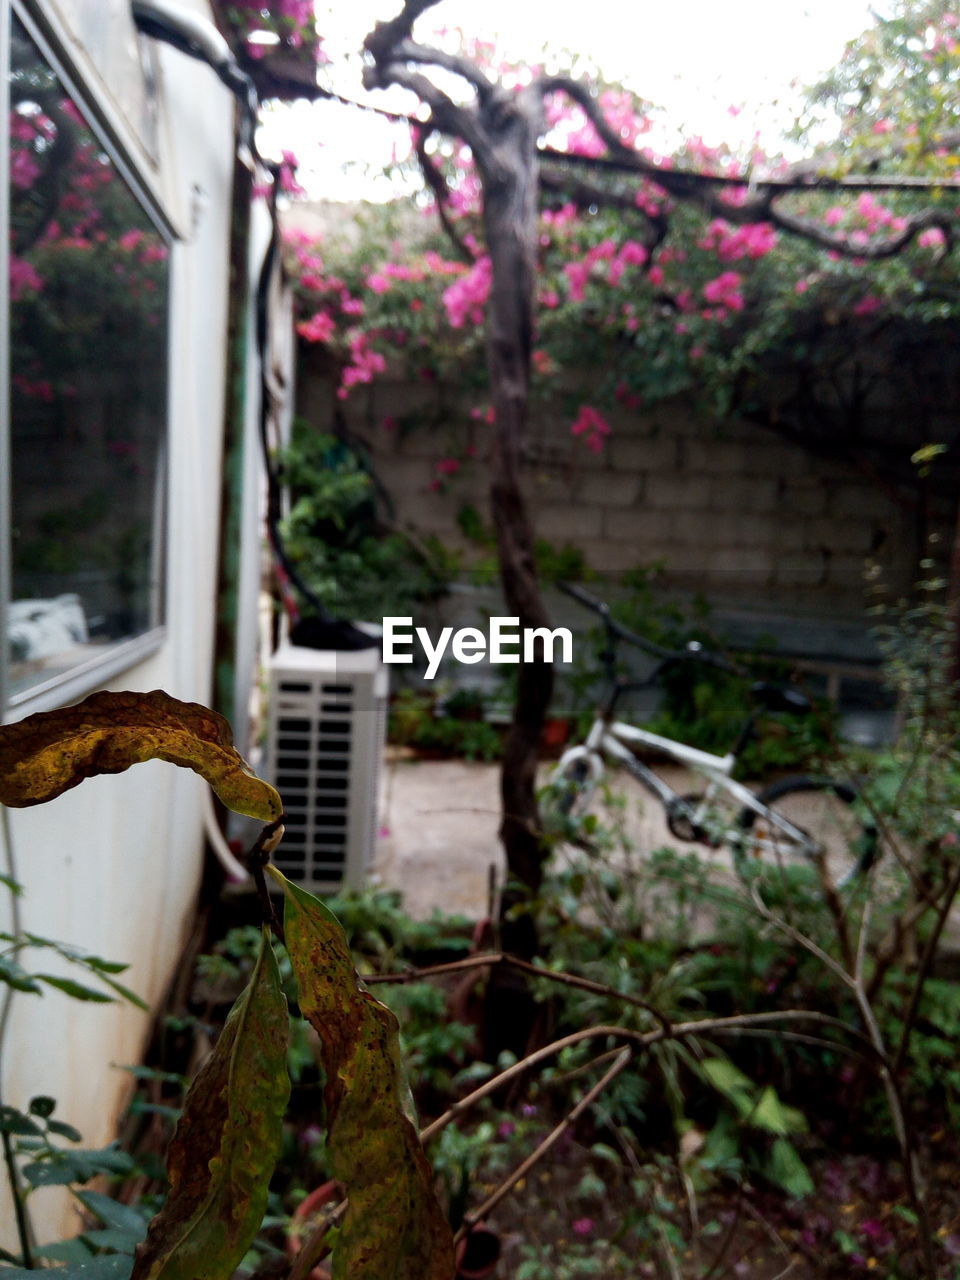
[[874, 250], [437, 183], [408, 51]]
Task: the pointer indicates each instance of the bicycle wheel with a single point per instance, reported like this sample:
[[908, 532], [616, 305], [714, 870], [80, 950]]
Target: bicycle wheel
[[824, 813]]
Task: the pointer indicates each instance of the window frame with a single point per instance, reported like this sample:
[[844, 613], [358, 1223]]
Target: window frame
[[85, 676]]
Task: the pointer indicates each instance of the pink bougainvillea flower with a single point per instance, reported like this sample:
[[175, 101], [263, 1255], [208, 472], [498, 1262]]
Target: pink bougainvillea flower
[[582, 1227], [23, 279], [932, 238], [447, 466], [592, 426], [868, 305], [319, 328], [577, 274], [365, 364], [466, 298], [724, 290]]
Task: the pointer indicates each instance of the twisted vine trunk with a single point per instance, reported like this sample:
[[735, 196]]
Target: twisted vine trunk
[[509, 173]]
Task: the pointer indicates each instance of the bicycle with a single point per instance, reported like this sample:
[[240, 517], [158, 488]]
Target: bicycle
[[763, 828]]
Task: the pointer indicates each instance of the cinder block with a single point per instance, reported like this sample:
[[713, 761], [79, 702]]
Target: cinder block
[[736, 564], [653, 455], [615, 557], [609, 489], [801, 571], [639, 526], [569, 523], [686, 490], [866, 502], [744, 493], [804, 496]]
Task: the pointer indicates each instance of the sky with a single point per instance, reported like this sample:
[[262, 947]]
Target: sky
[[697, 60]]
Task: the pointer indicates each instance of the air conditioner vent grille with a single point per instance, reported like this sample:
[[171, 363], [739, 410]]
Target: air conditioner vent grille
[[325, 745]]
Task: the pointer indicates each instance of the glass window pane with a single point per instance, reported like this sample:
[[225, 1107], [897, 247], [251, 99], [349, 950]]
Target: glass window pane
[[88, 375]]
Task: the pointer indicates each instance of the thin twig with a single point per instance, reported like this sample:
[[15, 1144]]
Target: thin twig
[[495, 958], [537, 1154], [923, 970], [19, 1207], [800, 938], [678, 1031]]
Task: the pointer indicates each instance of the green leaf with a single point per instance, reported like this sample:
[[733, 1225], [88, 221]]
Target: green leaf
[[112, 1213], [115, 1238], [117, 1267], [123, 991], [726, 1078], [771, 1114], [14, 975], [75, 989], [394, 1227], [787, 1170], [64, 1130], [14, 1121], [61, 1168], [42, 1106], [52, 751], [224, 1148], [65, 1251]]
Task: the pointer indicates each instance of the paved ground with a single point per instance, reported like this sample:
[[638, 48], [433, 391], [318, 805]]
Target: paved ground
[[439, 845], [439, 842]]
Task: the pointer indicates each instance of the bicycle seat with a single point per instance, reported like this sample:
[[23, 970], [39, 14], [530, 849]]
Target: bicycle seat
[[778, 697]]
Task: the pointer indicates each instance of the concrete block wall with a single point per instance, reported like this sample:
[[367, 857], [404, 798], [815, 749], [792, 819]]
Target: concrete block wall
[[732, 511]]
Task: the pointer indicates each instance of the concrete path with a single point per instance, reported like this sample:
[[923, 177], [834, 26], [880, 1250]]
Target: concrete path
[[438, 839], [438, 842]]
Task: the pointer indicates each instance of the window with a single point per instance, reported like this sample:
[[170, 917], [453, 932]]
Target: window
[[88, 293]]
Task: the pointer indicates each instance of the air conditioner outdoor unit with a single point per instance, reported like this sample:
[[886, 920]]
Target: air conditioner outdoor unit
[[326, 735]]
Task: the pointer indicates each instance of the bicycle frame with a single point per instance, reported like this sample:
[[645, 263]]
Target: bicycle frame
[[611, 738]]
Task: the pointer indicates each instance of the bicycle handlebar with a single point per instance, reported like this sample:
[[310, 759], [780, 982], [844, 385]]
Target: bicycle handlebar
[[693, 652]]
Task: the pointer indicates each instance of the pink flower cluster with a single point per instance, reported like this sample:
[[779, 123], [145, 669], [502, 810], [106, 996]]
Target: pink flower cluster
[[24, 169], [632, 253], [381, 280], [466, 298], [724, 291], [365, 365], [869, 212], [594, 428], [23, 279], [576, 135], [932, 238], [319, 328], [752, 240]]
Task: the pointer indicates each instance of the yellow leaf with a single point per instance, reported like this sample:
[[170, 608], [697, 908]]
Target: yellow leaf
[[394, 1227], [47, 754]]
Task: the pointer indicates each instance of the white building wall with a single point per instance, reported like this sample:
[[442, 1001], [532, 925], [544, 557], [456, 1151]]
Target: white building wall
[[114, 865]]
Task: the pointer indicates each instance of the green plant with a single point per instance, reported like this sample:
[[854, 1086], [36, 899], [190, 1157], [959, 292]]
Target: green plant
[[354, 562], [457, 730]]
